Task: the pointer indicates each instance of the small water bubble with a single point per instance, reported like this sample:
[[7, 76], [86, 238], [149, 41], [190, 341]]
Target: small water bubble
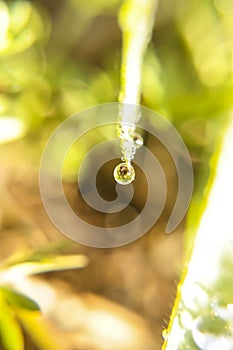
[[137, 139], [165, 334], [124, 174]]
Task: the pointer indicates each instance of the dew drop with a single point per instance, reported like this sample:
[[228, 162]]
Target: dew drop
[[124, 174], [137, 139]]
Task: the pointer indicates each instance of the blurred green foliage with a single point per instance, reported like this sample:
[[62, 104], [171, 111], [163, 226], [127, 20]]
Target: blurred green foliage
[[18, 310], [56, 59]]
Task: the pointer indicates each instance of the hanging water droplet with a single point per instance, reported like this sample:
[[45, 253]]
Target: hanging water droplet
[[124, 174], [137, 139]]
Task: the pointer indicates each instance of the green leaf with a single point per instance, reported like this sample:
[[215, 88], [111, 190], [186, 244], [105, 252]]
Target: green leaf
[[18, 299], [10, 331]]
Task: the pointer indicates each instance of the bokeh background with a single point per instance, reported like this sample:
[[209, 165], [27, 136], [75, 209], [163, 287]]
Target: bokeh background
[[57, 58]]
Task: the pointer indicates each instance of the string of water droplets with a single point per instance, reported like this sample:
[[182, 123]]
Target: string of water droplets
[[136, 19], [124, 172]]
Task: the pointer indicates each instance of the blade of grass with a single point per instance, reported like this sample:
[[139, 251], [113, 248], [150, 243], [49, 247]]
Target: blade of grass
[[136, 19], [204, 294]]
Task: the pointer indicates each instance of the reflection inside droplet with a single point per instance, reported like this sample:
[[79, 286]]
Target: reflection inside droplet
[[124, 174], [137, 139]]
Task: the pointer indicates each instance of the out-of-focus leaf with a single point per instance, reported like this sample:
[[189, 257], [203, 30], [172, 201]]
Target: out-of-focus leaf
[[38, 329], [18, 299], [37, 255], [199, 19], [10, 332], [54, 263], [63, 262], [23, 27]]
